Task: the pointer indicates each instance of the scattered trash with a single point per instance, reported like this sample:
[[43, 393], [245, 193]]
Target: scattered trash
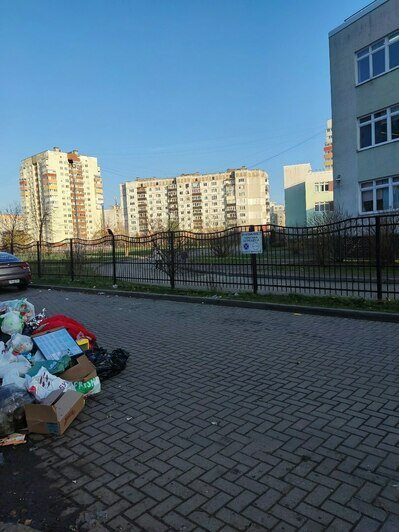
[[214, 423], [48, 366], [114, 286], [12, 439], [12, 404]]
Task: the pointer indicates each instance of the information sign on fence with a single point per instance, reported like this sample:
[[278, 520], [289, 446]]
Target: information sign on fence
[[251, 242]]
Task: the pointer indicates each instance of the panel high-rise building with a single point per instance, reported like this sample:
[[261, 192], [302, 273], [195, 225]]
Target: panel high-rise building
[[62, 195], [196, 202], [328, 147]]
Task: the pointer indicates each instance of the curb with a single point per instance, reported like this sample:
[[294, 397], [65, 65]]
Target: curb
[[280, 307]]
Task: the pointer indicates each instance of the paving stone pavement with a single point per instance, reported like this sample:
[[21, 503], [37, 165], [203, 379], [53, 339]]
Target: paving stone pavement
[[231, 419]]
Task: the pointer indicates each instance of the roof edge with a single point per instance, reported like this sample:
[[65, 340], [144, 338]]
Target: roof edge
[[356, 16]]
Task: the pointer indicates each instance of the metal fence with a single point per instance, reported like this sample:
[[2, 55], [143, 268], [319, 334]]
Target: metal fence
[[355, 257]]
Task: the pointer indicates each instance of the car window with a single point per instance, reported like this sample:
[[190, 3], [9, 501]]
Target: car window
[[7, 257]]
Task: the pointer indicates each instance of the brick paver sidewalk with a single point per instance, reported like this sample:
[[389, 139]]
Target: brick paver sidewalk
[[232, 419]]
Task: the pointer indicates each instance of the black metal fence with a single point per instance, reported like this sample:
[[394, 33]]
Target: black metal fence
[[355, 257]]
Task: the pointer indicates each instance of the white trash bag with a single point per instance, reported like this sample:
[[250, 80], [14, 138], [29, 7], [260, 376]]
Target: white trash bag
[[20, 344], [12, 323], [43, 383]]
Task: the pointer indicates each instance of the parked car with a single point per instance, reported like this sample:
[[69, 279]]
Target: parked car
[[13, 271]]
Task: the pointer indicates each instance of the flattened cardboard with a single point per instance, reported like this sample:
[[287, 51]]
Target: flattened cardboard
[[83, 371], [55, 414]]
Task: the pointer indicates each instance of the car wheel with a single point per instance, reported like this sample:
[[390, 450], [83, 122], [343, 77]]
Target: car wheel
[[23, 286]]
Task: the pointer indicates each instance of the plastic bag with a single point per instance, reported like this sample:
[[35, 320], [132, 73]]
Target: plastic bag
[[20, 344], [108, 364], [25, 309], [12, 412], [43, 383], [52, 366], [12, 323], [17, 362], [12, 377], [90, 387]]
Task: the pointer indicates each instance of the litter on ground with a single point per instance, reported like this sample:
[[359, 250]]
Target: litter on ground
[[48, 367]]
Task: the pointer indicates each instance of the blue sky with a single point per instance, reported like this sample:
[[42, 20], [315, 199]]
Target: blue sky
[[163, 87]]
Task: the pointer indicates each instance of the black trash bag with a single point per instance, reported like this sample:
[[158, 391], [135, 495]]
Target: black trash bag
[[12, 408], [107, 364]]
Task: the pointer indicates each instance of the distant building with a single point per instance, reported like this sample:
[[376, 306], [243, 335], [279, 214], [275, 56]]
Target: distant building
[[307, 193], [196, 202], [364, 64], [277, 214], [62, 195], [113, 218], [328, 147]]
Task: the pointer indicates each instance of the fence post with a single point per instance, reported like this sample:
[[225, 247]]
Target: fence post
[[254, 267], [172, 258], [378, 256], [110, 232], [38, 257], [71, 259]]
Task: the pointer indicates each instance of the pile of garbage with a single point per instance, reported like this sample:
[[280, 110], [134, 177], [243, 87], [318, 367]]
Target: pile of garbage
[[48, 366]]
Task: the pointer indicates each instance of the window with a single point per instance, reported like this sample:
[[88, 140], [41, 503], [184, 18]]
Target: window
[[379, 127], [323, 206], [379, 195], [321, 187], [378, 58]]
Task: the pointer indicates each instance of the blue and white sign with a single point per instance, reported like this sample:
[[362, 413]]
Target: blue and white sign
[[251, 242]]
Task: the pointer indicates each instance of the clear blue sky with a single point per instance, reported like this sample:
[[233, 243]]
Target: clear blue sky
[[163, 87]]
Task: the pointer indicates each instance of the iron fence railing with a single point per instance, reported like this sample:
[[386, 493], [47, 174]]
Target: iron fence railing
[[355, 257]]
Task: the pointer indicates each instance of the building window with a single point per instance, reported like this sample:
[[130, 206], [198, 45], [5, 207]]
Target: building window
[[379, 195], [321, 187], [379, 128], [378, 58], [323, 206]]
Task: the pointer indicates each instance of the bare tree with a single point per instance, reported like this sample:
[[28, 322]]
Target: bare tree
[[11, 227]]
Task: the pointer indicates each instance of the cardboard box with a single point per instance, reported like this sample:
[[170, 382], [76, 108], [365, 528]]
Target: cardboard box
[[82, 371], [55, 413]]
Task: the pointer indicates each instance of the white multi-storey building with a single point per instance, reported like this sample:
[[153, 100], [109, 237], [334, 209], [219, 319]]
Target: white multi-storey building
[[196, 202], [62, 195], [364, 64]]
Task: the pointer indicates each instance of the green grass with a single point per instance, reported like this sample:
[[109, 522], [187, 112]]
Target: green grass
[[289, 299]]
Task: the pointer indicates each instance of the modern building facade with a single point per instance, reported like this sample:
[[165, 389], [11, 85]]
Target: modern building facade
[[328, 147], [307, 194], [364, 64], [277, 214], [196, 202], [61, 195]]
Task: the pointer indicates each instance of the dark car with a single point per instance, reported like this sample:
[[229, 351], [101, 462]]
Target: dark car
[[13, 271]]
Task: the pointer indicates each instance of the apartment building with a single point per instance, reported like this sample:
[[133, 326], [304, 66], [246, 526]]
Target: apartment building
[[307, 194], [328, 147], [196, 202], [61, 195], [364, 64], [113, 218], [277, 214]]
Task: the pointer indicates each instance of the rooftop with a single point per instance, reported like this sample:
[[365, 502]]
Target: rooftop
[[358, 15]]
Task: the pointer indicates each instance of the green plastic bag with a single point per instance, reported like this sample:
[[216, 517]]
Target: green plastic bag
[[52, 366], [89, 387]]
